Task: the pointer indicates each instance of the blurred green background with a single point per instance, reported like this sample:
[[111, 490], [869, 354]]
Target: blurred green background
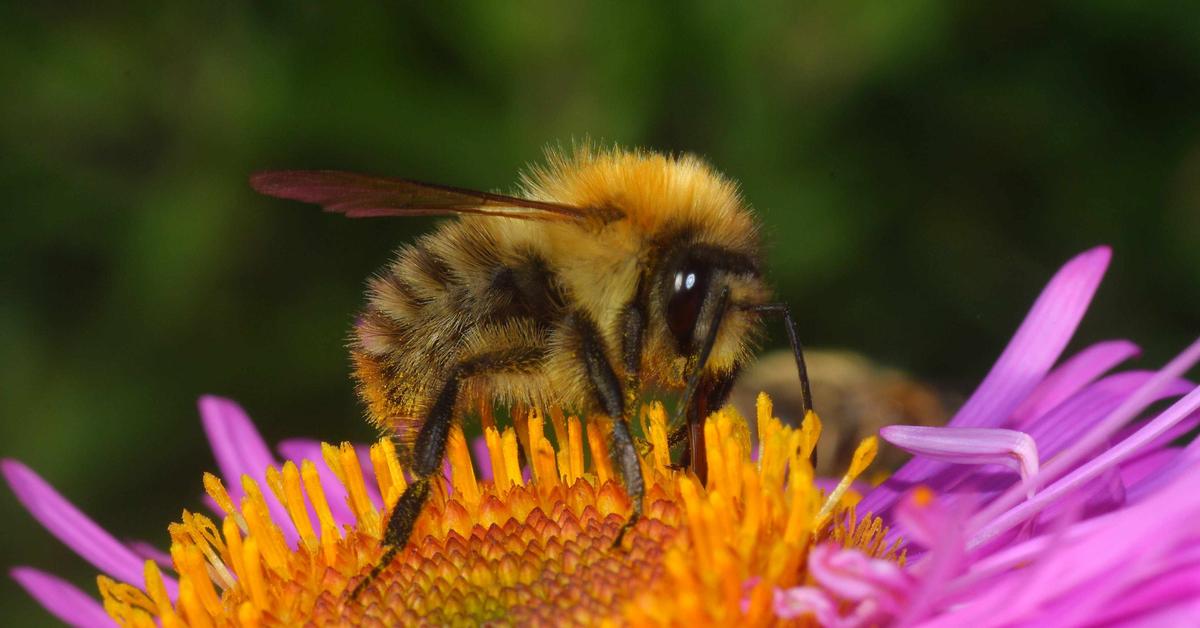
[[922, 168]]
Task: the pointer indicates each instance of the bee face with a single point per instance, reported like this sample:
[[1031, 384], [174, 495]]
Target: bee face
[[688, 286]]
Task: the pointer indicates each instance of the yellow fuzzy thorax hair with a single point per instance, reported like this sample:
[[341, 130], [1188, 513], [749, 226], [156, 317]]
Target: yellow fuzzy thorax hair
[[654, 191]]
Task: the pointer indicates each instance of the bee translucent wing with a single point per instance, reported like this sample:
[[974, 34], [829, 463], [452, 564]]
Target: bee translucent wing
[[362, 196]]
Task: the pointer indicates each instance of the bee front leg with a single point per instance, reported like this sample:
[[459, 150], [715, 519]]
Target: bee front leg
[[608, 393]]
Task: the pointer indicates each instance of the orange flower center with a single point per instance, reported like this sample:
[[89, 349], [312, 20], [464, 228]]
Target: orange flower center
[[511, 551]]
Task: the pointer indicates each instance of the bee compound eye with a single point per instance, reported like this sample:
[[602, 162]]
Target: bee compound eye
[[688, 288]]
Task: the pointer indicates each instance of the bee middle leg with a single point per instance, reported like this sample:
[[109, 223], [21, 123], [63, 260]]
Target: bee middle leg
[[611, 397], [430, 448]]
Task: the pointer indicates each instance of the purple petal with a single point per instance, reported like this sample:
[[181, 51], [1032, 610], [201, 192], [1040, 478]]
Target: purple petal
[[1106, 428], [1070, 421], [483, 458], [1179, 588], [1148, 465], [1038, 342], [852, 575], [240, 450], [1104, 563], [150, 552], [1172, 435], [968, 445], [72, 527], [1078, 371], [941, 530], [61, 598], [1053, 431], [800, 601], [1184, 462], [987, 527]]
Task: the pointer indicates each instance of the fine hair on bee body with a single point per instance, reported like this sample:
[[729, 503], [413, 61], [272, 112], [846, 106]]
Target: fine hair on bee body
[[609, 273]]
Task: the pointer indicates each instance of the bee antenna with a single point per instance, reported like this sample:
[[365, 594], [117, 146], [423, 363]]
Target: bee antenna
[[782, 310]]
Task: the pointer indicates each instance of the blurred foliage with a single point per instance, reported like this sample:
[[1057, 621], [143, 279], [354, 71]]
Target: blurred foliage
[[922, 168]]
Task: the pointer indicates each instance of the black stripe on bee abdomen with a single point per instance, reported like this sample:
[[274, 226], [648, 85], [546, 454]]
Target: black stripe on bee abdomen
[[527, 290], [431, 268]]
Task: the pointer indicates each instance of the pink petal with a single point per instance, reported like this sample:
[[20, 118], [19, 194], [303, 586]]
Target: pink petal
[[940, 529], [1076, 372], [987, 527], [63, 599], [1066, 424], [1038, 342], [969, 445], [1153, 599], [800, 601], [1103, 564], [1185, 461], [240, 450], [483, 458], [72, 527], [1099, 435], [852, 575], [1148, 393], [149, 551], [1146, 466]]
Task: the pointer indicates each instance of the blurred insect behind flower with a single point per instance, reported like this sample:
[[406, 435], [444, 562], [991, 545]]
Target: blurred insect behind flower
[[858, 397], [611, 273]]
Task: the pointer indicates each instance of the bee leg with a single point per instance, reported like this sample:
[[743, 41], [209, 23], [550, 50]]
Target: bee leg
[[430, 447], [607, 389], [428, 452], [688, 411]]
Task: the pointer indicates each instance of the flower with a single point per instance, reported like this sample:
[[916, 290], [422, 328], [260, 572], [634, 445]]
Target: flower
[[295, 538], [1050, 496], [1054, 495]]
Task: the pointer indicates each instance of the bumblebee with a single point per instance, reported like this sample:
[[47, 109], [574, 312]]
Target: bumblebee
[[611, 272]]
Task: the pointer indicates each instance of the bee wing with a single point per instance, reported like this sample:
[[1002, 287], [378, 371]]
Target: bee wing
[[362, 196]]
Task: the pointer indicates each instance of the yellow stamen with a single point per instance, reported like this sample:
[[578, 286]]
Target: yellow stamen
[[216, 490], [190, 562], [510, 551], [254, 575], [598, 446], [545, 470], [157, 590], [193, 608], [387, 471], [287, 488], [512, 464], [461, 470], [499, 467], [258, 520], [316, 496], [864, 455]]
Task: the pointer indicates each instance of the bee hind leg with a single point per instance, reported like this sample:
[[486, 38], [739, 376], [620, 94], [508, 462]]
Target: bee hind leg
[[430, 447], [428, 451]]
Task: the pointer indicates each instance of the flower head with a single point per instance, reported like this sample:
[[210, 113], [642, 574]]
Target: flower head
[[290, 545], [1054, 495]]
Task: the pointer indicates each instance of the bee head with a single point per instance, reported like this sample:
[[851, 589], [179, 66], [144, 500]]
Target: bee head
[[701, 291]]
